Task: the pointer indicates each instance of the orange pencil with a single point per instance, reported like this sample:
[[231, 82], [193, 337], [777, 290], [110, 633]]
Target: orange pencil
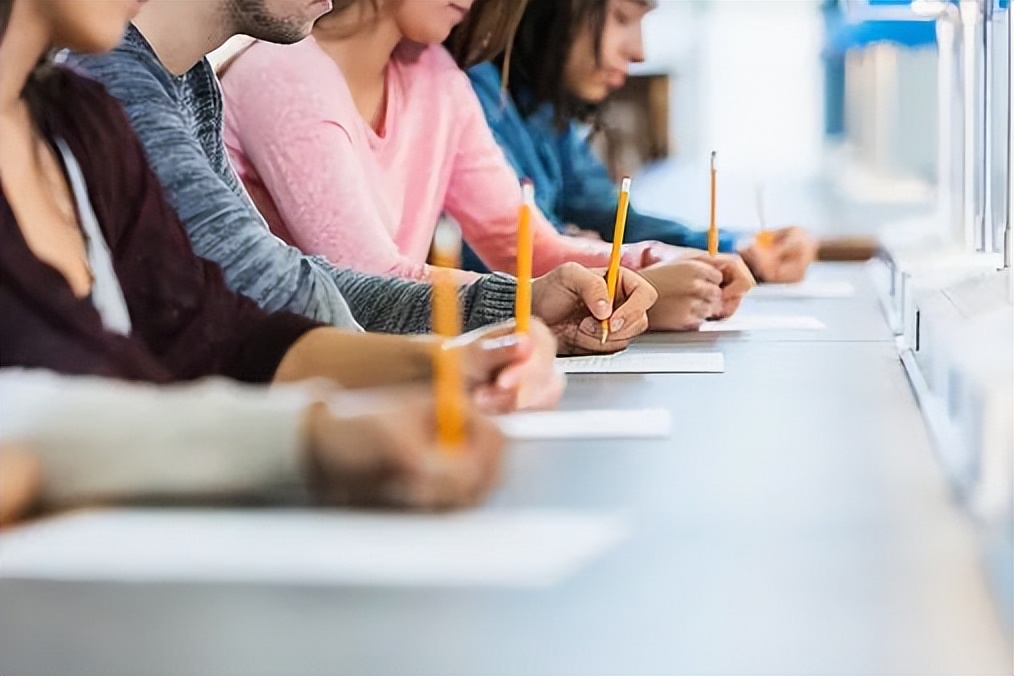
[[613, 274], [523, 300], [713, 227], [765, 238], [447, 379]]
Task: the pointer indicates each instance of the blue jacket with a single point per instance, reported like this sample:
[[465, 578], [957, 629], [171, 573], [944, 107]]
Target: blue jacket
[[571, 184]]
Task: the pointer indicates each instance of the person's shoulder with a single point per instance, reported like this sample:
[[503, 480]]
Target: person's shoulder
[[436, 57], [431, 70], [78, 91], [485, 77], [485, 81], [80, 111], [263, 63], [299, 80], [426, 64], [132, 61]]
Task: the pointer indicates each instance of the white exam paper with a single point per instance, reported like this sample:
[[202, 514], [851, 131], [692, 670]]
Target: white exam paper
[[613, 424], [645, 362], [804, 289], [530, 548], [764, 323]]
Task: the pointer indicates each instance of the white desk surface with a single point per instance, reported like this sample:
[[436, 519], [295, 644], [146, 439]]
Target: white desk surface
[[796, 523]]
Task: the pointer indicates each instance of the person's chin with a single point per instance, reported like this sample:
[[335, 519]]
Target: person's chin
[[593, 96]]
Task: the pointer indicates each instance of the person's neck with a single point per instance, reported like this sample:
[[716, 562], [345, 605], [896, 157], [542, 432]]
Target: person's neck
[[364, 55], [26, 39], [183, 33]]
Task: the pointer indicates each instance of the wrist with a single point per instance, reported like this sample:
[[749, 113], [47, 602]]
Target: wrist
[[312, 432]]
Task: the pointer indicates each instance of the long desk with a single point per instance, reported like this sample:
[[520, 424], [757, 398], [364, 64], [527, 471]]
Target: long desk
[[796, 522]]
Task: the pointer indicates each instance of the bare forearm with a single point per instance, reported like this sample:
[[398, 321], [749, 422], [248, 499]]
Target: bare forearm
[[356, 360]]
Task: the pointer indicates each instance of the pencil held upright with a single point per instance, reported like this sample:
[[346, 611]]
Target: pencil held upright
[[523, 299], [765, 239], [619, 229], [447, 377], [713, 225]]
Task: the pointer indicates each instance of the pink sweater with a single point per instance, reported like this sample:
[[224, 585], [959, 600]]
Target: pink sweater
[[329, 184]]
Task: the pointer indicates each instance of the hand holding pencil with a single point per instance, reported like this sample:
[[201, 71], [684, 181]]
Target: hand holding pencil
[[380, 448], [503, 367]]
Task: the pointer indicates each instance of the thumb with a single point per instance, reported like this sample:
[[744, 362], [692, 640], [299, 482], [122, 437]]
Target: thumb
[[496, 355], [485, 356], [590, 288]]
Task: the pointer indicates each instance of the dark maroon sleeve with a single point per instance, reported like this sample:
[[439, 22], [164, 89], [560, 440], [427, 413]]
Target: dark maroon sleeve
[[179, 303], [35, 336]]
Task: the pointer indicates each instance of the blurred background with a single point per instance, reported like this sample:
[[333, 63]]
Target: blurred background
[[833, 106], [883, 117]]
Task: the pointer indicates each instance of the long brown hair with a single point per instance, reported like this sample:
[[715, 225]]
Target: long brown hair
[[539, 53], [486, 31]]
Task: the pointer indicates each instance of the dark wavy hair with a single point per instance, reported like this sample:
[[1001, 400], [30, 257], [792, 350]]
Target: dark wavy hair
[[539, 53]]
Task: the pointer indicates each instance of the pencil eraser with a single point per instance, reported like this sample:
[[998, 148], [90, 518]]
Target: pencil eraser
[[528, 192]]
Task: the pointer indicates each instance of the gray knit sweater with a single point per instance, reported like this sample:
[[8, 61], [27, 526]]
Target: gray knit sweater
[[179, 121]]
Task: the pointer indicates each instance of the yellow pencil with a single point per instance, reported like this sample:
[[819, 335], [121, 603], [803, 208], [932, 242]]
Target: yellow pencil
[[765, 238], [523, 300], [447, 379], [713, 227], [613, 274]]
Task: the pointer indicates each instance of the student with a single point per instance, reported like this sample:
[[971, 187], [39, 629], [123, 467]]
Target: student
[[62, 441], [160, 74], [565, 61], [355, 140], [97, 275]]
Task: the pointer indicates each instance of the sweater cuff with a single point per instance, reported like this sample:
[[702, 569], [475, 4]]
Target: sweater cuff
[[104, 440], [489, 300]]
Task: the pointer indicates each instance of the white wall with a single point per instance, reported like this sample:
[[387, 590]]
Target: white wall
[[748, 80]]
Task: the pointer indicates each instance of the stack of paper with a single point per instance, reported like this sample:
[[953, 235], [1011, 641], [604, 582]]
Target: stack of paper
[[300, 547], [805, 289], [645, 362], [763, 323], [619, 424]]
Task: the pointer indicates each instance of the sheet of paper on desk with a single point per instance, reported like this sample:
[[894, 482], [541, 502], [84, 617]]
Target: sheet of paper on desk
[[805, 289], [531, 548], [652, 423], [764, 323], [645, 362]]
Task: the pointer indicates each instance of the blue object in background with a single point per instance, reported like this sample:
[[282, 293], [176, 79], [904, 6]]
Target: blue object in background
[[842, 35], [834, 75]]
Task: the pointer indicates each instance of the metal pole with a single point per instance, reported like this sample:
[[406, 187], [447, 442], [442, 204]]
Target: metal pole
[[985, 230], [948, 25], [1010, 132], [970, 14]]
